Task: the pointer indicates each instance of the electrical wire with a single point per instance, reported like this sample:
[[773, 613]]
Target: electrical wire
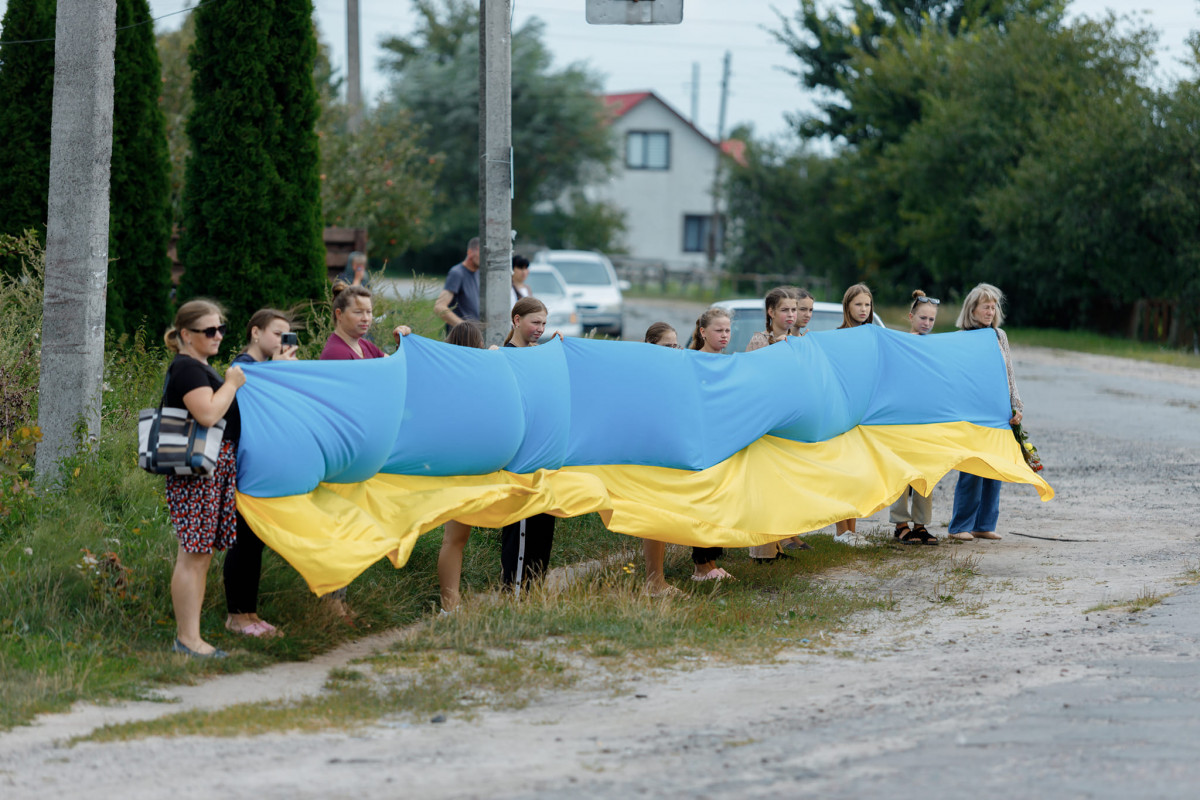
[[150, 21]]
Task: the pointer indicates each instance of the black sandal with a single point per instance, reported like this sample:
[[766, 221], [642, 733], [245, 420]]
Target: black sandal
[[925, 536], [900, 531], [909, 537]]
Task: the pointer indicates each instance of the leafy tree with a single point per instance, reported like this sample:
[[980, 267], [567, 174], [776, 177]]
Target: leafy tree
[[249, 185], [560, 140], [999, 98], [379, 177], [139, 276], [26, 95], [295, 149], [780, 204], [836, 49]]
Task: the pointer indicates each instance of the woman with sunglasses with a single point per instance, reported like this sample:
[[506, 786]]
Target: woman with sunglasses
[[202, 508], [910, 521]]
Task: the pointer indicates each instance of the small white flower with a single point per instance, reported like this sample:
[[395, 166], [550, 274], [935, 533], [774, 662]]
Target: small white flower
[[28, 551]]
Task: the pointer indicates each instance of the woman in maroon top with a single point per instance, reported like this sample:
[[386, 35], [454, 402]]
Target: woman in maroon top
[[352, 318]]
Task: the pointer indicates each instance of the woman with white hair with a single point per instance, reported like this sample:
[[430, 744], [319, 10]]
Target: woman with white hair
[[976, 499]]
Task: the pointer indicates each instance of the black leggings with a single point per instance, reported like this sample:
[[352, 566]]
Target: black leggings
[[525, 549], [243, 567], [703, 555]]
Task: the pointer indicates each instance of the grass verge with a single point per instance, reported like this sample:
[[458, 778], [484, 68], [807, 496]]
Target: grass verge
[[498, 653]]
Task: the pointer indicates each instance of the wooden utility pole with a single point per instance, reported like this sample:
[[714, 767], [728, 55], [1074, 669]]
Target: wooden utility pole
[[714, 226], [495, 167], [81, 133], [353, 66]]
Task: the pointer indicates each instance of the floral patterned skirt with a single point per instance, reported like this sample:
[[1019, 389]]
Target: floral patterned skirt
[[203, 509]]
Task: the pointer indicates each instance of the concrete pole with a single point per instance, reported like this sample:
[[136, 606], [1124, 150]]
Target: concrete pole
[[353, 66], [495, 167], [714, 225], [81, 128]]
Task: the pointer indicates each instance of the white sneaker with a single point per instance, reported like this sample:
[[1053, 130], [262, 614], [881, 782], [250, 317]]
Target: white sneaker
[[850, 538]]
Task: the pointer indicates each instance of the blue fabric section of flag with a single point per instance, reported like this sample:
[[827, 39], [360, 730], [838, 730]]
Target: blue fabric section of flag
[[440, 410], [314, 421]]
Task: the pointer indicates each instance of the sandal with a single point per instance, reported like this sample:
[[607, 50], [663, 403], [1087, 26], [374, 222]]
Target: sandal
[[924, 535], [901, 530], [909, 536]]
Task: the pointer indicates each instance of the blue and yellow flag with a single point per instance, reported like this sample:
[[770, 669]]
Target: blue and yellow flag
[[342, 463]]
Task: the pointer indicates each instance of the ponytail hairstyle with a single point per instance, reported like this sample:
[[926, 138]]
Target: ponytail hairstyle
[[851, 293], [344, 294], [465, 334], [524, 307], [774, 298], [703, 321], [186, 317], [657, 331], [981, 293], [916, 298]]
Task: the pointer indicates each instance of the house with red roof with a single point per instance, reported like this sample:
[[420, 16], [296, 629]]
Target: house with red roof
[[663, 180]]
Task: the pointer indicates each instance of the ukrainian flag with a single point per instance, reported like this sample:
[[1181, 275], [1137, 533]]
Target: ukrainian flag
[[342, 463]]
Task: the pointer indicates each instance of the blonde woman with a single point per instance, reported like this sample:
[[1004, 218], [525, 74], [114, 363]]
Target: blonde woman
[[202, 508]]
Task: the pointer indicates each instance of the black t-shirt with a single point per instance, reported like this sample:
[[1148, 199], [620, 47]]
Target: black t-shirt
[[186, 373]]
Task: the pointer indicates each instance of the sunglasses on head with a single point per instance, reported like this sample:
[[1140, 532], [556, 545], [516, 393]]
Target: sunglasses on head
[[931, 300], [210, 332]]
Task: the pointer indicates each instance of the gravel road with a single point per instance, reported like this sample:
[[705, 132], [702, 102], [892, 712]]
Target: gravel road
[[1017, 687]]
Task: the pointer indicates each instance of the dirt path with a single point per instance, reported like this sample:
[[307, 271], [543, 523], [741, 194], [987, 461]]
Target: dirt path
[[968, 687]]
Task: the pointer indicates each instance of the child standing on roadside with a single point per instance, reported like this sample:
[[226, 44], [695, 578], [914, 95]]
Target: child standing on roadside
[[525, 545], [858, 307], [655, 552], [712, 333], [782, 309], [921, 317]]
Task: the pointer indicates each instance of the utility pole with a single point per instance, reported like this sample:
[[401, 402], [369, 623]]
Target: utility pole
[[353, 66], [695, 92], [495, 167], [714, 225], [81, 133]]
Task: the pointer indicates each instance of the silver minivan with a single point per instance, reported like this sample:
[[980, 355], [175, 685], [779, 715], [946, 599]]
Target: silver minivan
[[593, 285]]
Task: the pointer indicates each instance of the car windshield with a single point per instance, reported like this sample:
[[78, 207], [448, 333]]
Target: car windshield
[[582, 273], [544, 284], [749, 321]]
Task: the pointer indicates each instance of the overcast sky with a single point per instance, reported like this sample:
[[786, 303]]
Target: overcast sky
[[660, 57]]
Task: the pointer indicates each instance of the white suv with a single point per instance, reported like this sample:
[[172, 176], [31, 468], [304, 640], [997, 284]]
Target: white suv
[[594, 287]]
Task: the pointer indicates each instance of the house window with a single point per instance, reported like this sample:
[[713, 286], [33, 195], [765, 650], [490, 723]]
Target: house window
[[695, 233], [648, 150]]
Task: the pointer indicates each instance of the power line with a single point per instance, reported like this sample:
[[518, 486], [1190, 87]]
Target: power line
[[150, 21]]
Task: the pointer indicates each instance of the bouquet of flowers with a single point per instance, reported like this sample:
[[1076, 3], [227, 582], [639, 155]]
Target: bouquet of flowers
[[1027, 449]]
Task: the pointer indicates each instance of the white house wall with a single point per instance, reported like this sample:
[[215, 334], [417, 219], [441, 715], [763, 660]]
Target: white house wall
[[655, 201]]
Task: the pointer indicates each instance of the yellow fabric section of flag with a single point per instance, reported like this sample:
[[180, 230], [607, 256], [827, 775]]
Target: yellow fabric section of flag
[[772, 489]]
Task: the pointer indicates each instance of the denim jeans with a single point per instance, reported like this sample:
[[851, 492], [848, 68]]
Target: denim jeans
[[976, 504]]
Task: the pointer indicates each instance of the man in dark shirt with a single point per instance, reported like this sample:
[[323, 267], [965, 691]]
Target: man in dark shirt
[[459, 300]]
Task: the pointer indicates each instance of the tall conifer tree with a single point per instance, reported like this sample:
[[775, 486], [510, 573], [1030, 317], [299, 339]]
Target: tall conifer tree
[[250, 196], [139, 277], [26, 94], [296, 151]]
